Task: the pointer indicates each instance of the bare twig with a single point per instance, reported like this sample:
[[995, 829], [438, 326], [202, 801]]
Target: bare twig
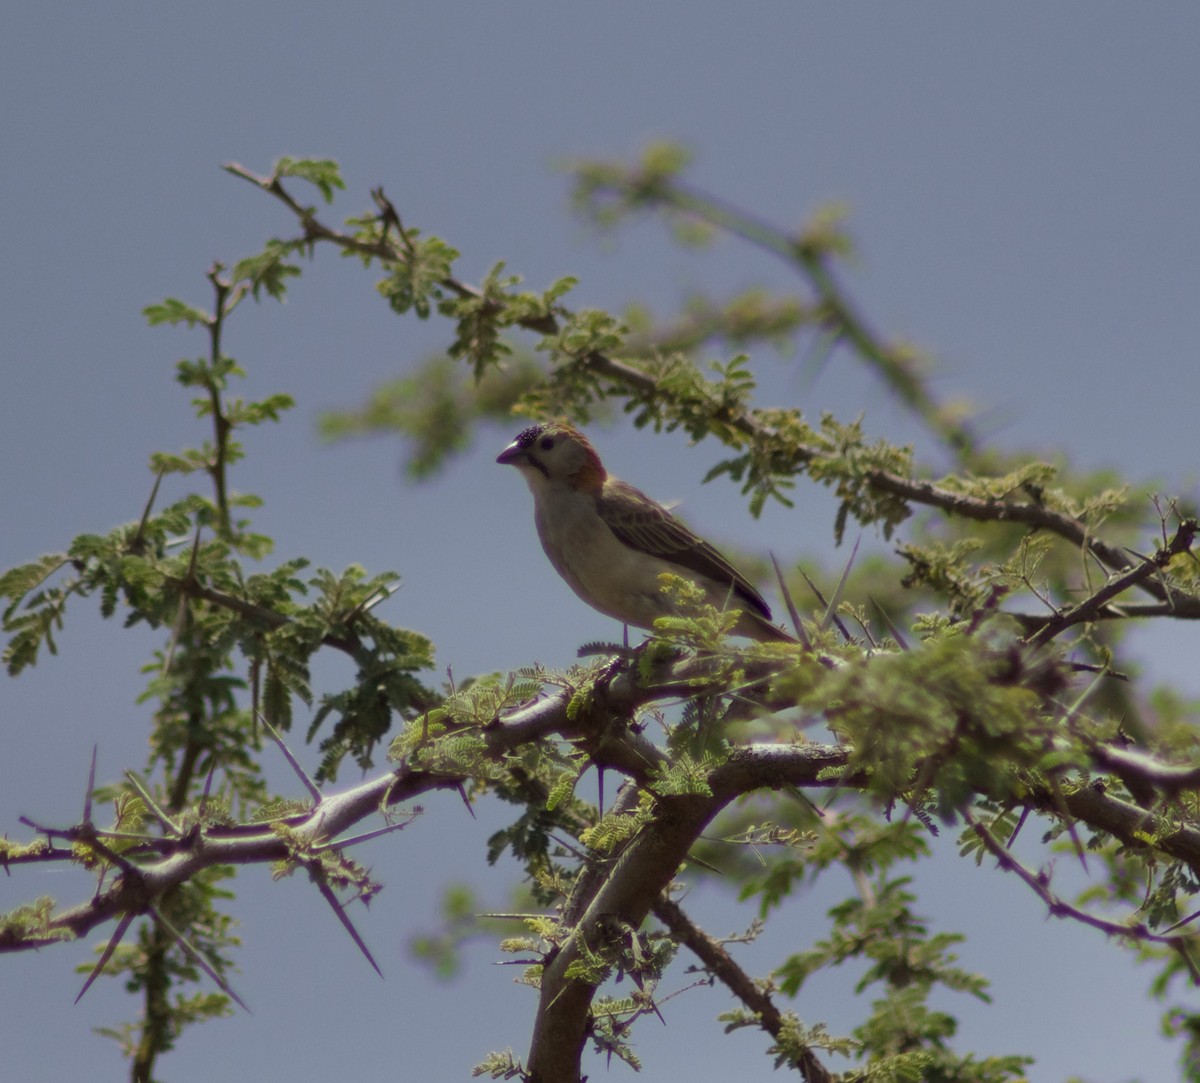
[[1040, 885], [1137, 576], [721, 965]]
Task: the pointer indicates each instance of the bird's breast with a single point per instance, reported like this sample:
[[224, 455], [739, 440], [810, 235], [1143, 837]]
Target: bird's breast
[[601, 569]]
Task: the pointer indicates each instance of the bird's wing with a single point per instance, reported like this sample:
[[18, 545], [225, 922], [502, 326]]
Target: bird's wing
[[640, 523]]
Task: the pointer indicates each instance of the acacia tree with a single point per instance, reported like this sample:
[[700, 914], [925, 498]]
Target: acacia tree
[[973, 683]]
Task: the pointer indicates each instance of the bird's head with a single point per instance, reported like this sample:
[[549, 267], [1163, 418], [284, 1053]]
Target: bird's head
[[555, 453]]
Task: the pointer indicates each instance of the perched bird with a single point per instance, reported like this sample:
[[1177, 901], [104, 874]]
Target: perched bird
[[610, 541]]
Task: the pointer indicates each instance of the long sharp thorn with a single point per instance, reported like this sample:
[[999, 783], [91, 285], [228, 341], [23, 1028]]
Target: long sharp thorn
[[292, 761], [116, 938], [893, 631], [1181, 947], [1017, 830], [1080, 852], [141, 527], [181, 613], [212, 768], [176, 632], [1181, 923], [199, 959], [91, 786], [801, 634], [366, 836], [835, 601], [462, 792], [159, 813], [347, 924], [814, 588]]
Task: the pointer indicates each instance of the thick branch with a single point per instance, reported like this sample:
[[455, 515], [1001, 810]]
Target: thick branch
[[166, 862], [638, 878], [245, 844], [635, 882]]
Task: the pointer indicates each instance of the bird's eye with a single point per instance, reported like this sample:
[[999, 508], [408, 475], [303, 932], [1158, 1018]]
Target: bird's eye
[[547, 443]]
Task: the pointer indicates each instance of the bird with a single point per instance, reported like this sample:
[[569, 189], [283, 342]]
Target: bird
[[611, 542]]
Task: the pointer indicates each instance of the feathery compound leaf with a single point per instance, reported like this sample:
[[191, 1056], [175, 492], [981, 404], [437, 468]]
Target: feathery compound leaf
[[173, 311], [31, 631], [562, 790], [614, 828], [323, 173], [268, 270], [19, 581], [417, 281]]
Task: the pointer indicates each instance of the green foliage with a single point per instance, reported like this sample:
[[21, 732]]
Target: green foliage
[[30, 922], [697, 624], [976, 680], [608, 193], [441, 950], [419, 281], [268, 271], [615, 829], [174, 311], [387, 660], [480, 319], [795, 1043], [237, 644], [902, 1038], [468, 707], [500, 1066], [954, 718], [685, 775], [564, 788], [323, 173]]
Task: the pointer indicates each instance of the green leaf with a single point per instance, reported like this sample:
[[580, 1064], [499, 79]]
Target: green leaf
[[269, 270], [417, 281], [19, 581], [323, 173], [173, 311]]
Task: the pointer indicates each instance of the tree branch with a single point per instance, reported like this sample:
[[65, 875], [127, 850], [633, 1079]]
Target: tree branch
[[1087, 610], [746, 422], [718, 962]]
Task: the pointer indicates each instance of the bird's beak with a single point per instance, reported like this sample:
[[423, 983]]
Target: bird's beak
[[512, 454]]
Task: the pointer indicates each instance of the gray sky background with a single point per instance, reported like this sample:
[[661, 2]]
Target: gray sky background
[[1022, 185]]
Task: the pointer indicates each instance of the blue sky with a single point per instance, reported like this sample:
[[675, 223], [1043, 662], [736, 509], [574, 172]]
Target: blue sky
[[1021, 183]]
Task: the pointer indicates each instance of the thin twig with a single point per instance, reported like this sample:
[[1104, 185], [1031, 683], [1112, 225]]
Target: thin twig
[[1057, 907], [719, 963], [1139, 575]]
